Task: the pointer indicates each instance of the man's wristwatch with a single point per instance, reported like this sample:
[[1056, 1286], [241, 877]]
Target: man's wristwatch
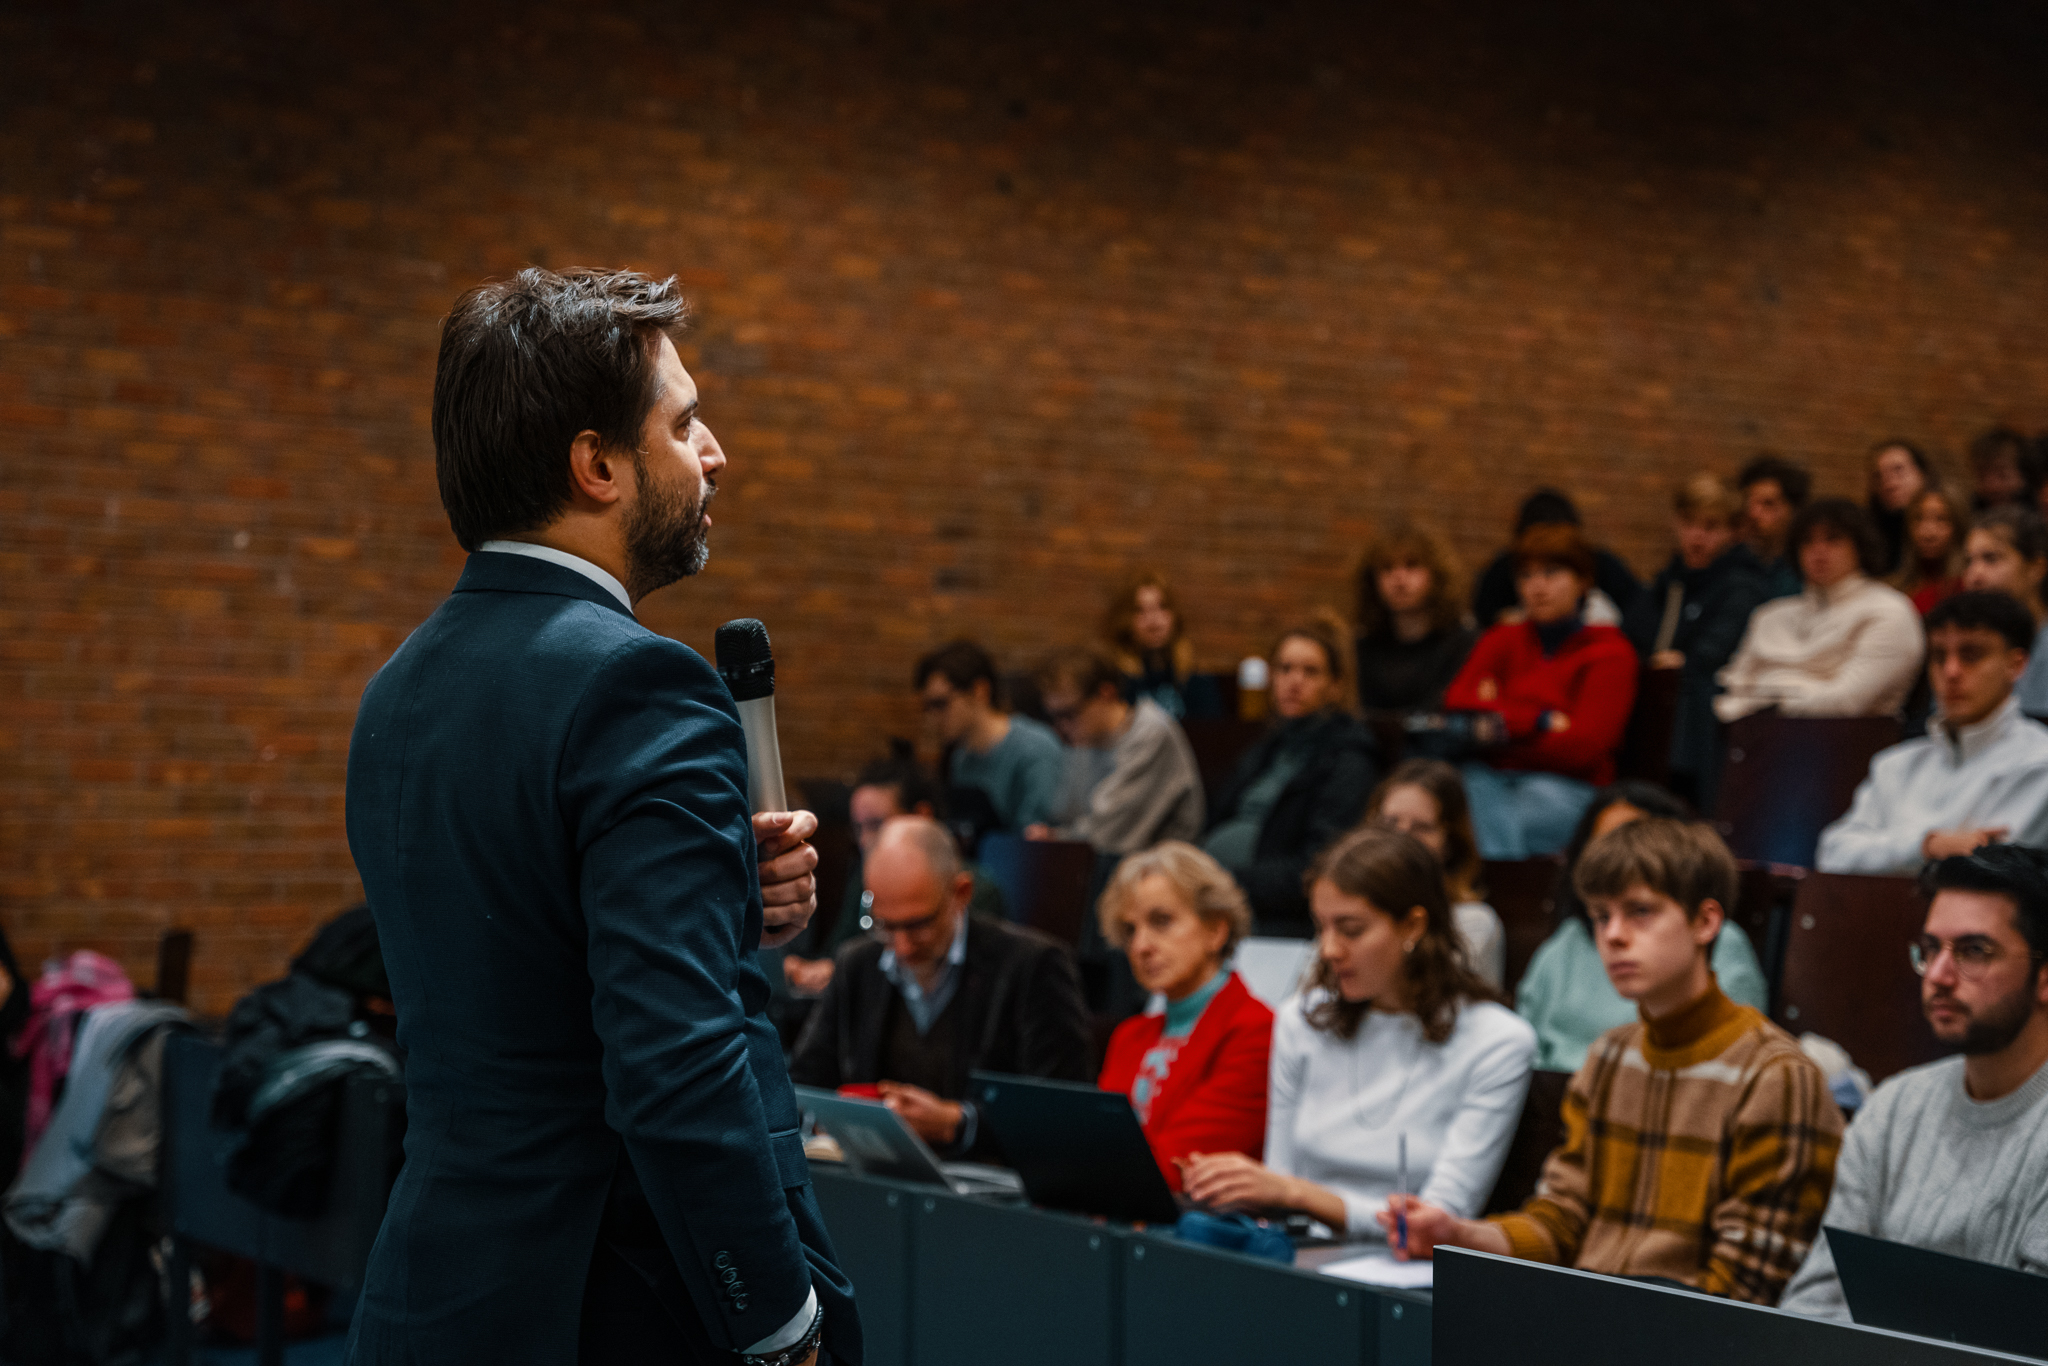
[[796, 1351]]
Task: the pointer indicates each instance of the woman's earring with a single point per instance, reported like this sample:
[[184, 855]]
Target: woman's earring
[[1408, 947]]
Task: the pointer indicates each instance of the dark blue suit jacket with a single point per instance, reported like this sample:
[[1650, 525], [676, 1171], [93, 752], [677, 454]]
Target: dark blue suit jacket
[[547, 804]]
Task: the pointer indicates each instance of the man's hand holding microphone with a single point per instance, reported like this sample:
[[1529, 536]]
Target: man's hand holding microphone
[[789, 894]]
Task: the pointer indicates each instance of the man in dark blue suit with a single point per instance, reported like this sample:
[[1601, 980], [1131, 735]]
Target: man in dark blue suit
[[547, 804]]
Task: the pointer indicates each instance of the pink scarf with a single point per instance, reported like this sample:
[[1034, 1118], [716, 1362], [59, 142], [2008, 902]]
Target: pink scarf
[[67, 989]]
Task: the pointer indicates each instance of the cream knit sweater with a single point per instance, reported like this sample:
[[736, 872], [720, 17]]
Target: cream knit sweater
[[1850, 650]]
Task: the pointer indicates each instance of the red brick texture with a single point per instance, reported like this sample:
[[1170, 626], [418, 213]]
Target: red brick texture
[[997, 303]]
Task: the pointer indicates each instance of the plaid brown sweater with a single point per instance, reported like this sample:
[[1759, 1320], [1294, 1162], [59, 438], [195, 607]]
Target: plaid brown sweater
[[1700, 1147]]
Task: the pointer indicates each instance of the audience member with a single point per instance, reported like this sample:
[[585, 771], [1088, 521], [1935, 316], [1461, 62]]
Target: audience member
[[1302, 785], [1496, 592], [1953, 1156], [1848, 645], [1131, 778], [1195, 1072], [1425, 799], [2007, 552], [1395, 1040], [1693, 617], [1774, 489], [934, 994], [1699, 1141], [1936, 525], [1898, 471], [1012, 760], [1149, 635], [1561, 688], [1565, 993], [1979, 775], [885, 789], [2005, 469], [1412, 630]]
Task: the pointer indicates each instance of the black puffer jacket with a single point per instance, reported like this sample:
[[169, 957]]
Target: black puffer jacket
[[1322, 801], [290, 1045]]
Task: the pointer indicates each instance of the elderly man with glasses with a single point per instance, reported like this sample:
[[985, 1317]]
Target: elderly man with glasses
[[936, 993], [1953, 1156]]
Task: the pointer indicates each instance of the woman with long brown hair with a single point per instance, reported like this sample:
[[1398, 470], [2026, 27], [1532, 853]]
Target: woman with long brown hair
[[1413, 632], [1395, 1050], [1303, 784], [1425, 798], [1149, 637], [1931, 566]]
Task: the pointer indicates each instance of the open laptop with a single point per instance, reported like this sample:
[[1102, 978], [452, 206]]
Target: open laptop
[[1075, 1147], [876, 1142], [1935, 1295]]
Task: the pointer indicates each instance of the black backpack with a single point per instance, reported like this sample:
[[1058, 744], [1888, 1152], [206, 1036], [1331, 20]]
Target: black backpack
[[291, 1045]]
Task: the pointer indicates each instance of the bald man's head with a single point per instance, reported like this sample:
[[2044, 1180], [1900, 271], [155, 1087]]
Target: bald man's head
[[919, 889]]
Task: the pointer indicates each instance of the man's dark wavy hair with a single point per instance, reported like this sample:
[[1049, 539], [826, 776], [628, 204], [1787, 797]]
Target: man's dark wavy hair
[[525, 365], [2013, 871]]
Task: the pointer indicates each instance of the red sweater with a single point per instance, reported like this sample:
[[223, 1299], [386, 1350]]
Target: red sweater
[[1591, 680], [1214, 1098]]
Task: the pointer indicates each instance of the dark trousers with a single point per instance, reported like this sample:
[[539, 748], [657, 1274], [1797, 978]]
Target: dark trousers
[[637, 1313]]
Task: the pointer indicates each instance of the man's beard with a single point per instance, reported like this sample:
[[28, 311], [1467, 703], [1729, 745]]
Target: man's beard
[[1996, 1025], [666, 538]]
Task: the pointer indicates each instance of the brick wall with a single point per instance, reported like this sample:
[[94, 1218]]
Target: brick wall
[[997, 303]]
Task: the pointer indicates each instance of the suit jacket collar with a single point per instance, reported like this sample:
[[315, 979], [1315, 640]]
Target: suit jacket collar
[[488, 571]]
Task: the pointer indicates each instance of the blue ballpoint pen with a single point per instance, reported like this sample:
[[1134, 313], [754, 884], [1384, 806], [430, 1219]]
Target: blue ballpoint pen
[[1401, 1194]]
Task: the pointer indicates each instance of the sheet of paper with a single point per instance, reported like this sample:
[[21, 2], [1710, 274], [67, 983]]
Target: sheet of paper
[[1385, 1271]]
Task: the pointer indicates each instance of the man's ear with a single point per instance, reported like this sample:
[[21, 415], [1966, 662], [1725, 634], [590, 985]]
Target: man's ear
[[1707, 922], [596, 475], [963, 888]]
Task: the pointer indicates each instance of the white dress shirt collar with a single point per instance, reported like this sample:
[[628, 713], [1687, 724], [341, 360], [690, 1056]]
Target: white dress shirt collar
[[567, 561]]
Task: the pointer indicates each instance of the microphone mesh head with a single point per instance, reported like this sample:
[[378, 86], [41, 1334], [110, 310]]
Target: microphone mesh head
[[745, 661]]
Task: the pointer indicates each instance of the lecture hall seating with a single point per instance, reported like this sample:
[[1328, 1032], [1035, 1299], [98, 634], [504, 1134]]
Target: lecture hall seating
[[1846, 976], [1787, 777]]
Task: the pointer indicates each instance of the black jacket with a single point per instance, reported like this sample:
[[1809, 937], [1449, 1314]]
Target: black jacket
[[1324, 800], [1411, 675], [1714, 614], [1018, 1009]]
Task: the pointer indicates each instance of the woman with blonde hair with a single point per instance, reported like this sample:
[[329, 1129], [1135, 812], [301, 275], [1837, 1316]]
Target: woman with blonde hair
[[1196, 1072], [1395, 1056], [1413, 632], [1304, 783]]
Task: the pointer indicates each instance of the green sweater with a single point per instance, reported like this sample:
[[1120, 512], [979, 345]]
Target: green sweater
[[1565, 993]]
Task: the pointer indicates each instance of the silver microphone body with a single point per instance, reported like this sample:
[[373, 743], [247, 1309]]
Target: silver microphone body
[[765, 791]]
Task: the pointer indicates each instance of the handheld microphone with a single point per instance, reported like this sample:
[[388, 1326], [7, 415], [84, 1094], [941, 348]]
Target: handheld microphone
[[747, 665]]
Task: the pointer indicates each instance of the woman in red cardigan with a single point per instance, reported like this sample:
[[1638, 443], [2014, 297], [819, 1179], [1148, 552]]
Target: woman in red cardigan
[[1196, 1073], [1560, 692]]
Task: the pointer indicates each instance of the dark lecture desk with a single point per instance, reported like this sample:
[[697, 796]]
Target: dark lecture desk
[[945, 1280]]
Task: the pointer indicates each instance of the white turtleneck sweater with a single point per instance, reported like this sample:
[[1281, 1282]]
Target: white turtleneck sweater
[[1850, 650], [1994, 773]]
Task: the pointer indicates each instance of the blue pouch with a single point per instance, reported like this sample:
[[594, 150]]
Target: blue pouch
[[1237, 1233]]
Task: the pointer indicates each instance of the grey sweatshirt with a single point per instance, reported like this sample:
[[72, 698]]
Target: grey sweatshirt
[[1924, 1164], [1152, 789]]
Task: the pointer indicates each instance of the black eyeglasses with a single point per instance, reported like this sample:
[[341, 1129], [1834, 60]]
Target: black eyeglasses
[[885, 931]]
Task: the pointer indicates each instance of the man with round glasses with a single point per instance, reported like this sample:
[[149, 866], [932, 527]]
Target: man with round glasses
[[1953, 1156]]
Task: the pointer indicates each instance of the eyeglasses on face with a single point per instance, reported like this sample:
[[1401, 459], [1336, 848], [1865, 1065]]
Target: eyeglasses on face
[[886, 930], [1973, 954]]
